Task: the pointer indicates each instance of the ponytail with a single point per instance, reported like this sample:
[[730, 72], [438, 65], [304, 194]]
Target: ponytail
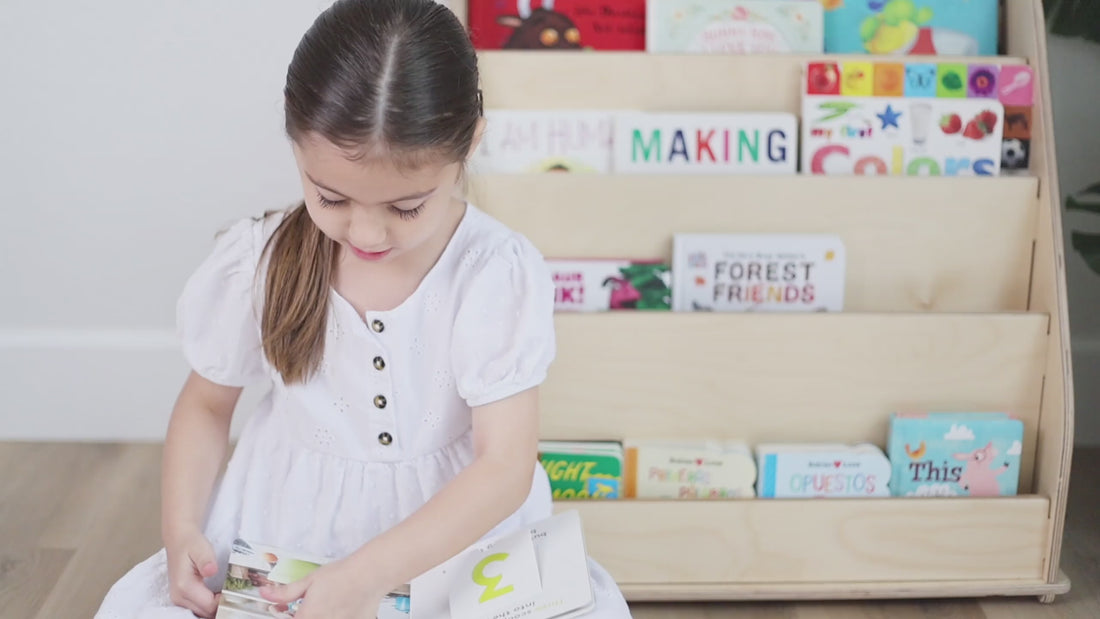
[[296, 296]]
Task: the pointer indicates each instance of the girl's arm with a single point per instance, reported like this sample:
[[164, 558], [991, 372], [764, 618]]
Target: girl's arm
[[194, 448], [494, 486]]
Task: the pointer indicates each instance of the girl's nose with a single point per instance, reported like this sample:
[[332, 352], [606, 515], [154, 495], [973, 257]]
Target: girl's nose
[[367, 229]]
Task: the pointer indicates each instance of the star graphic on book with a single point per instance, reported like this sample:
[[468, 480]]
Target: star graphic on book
[[889, 117]]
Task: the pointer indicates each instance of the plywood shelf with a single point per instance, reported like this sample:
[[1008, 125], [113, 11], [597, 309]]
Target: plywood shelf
[[773, 542], [660, 82], [955, 300], [910, 245]]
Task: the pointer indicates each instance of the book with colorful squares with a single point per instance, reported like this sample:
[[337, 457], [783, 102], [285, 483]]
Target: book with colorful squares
[[917, 118], [955, 454]]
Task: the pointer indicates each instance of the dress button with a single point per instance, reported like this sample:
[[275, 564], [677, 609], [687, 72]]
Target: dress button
[[385, 438], [379, 363], [377, 326], [380, 401]]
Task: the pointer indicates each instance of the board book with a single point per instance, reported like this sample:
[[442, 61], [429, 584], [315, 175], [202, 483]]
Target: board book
[[912, 27], [688, 469], [735, 26], [793, 470], [536, 572], [757, 272], [583, 469], [595, 285], [252, 565], [955, 454], [557, 25], [915, 118], [533, 141]]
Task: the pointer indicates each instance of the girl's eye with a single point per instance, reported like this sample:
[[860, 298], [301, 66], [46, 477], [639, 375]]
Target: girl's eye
[[325, 202], [408, 213]]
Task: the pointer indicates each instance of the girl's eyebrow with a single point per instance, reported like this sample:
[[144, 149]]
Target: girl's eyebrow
[[412, 196]]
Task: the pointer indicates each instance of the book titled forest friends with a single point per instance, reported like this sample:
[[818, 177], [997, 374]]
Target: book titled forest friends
[[955, 454], [757, 272]]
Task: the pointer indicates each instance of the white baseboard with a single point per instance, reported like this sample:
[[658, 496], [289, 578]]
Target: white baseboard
[[91, 385]]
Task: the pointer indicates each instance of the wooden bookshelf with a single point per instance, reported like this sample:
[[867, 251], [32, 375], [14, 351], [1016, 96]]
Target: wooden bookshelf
[[971, 314]]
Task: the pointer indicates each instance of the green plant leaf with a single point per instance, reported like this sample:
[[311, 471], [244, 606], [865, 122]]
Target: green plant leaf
[[1091, 189], [1088, 245]]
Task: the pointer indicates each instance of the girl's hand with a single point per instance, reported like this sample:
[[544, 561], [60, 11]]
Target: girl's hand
[[337, 590], [190, 559]]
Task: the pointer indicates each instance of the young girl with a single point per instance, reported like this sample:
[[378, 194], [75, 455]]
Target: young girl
[[405, 333]]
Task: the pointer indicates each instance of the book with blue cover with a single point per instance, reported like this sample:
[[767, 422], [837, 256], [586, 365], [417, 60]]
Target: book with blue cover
[[955, 454]]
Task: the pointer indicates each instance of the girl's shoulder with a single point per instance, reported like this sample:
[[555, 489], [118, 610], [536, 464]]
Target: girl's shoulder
[[488, 243]]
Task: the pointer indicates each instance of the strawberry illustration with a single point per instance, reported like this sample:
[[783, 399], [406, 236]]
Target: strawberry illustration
[[988, 120], [973, 130], [951, 123]]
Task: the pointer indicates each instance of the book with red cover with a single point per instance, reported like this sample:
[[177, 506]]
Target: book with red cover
[[557, 24]]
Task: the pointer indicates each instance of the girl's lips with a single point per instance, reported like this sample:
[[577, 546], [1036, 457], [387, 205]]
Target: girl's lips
[[367, 255]]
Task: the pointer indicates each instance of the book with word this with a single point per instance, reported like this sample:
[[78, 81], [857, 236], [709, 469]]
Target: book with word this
[[253, 565], [539, 571], [583, 469], [955, 454], [757, 272], [735, 26], [688, 469], [821, 470], [595, 285]]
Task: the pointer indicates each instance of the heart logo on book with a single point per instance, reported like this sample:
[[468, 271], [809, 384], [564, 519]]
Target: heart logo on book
[[698, 462], [836, 463]]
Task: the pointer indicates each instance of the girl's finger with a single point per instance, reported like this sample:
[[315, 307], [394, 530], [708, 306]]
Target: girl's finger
[[196, 594], [285, 593]]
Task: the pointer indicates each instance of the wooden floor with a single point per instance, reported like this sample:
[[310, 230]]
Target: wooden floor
[[73, 518]]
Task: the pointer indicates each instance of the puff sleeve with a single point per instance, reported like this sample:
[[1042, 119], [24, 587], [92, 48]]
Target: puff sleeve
[[217, 314], [503, 340]]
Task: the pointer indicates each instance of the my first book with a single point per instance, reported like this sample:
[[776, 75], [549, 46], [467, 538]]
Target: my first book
[[253, 565]]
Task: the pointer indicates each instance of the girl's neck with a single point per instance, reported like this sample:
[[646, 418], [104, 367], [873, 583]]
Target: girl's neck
[[385, 286]]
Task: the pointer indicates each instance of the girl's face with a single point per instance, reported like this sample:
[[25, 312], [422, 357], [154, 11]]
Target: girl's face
[[375, 211]]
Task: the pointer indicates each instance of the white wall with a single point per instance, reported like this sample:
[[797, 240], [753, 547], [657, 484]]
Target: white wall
[[1075, 80], [131, 131]]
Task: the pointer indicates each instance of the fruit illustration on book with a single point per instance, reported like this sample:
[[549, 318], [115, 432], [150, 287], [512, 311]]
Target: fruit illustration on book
[[917, 453], [951, 124], [901, 27]]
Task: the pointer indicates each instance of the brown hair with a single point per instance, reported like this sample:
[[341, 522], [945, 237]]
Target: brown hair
[[395, 75]]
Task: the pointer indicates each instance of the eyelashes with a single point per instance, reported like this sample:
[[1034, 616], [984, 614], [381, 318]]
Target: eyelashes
[[402, 213]]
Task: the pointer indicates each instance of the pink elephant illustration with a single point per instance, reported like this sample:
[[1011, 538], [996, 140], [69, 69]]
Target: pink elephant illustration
[[978, 478]]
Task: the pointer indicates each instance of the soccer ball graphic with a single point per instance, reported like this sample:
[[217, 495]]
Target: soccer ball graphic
[[1013, 154]]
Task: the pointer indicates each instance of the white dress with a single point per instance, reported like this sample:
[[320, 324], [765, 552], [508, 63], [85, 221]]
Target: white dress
[[323, 467]]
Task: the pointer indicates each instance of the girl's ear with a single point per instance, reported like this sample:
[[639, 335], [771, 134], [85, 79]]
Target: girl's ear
[[479, 132]]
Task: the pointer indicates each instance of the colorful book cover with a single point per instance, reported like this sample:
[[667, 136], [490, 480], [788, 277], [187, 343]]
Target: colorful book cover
[[914, 119], [597, 285], [531, 141], [912, 27], [557, 24], [688, 469], [955, 454], [583, 469], [705, 143], [253, 565], [1015, 88], [793, 470], [494, 578], [758, 272], [735, 26]]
